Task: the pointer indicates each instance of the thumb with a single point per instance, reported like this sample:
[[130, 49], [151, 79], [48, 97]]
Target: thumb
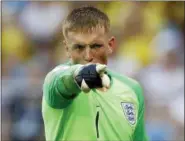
[[84, 87], [105, 81], [100, 69]]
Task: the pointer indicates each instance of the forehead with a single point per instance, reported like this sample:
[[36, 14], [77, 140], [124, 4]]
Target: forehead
[[87, 37]]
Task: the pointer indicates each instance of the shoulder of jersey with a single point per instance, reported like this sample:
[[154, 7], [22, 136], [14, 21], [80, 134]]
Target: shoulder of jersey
[[133, 84], [61, 67], [57, 68], [122, 77]]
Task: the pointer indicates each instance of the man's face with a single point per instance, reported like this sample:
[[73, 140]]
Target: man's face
[[92, 47]]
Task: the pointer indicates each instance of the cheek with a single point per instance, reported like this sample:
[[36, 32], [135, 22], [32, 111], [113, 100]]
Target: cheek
[[76, 57], [101, 55]]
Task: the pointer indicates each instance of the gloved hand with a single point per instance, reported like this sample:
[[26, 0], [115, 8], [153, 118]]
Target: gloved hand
[[91, 76]]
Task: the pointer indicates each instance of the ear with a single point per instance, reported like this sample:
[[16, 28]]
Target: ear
[[67, 49], [111, 45]]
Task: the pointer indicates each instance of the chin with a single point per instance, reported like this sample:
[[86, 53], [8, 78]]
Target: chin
[[94, 62]]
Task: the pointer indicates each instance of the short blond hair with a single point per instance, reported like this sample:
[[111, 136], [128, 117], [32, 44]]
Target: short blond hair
[[85, 19]]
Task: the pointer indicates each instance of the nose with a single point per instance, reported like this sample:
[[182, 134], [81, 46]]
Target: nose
[[88, 55]]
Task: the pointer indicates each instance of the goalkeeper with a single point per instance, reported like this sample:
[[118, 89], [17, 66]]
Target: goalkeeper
[[82, 99]]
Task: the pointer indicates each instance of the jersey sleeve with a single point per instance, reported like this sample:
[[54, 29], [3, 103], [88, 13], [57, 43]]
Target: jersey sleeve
[[59, 88], [140, 133]]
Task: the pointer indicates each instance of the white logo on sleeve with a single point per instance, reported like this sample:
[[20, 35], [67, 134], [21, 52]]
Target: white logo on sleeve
[[129, 110]]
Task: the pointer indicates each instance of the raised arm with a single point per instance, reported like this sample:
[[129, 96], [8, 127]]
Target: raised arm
[[64, 83], [59, 86]]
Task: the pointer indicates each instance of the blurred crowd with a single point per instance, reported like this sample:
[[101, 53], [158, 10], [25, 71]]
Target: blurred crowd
[[150, 49]]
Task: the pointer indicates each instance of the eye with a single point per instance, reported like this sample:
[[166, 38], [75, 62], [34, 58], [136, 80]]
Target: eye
[[79, 47], [96, 46]]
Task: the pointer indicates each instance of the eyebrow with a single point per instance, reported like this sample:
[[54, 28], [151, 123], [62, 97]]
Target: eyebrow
[[81, 44], [77, 44], [73, 46], [95, 41], [94, 44]]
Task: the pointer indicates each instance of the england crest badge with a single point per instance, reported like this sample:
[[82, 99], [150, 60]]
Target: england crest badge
[[130, 113]]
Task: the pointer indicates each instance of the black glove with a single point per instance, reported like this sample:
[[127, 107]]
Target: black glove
[[91, 76]]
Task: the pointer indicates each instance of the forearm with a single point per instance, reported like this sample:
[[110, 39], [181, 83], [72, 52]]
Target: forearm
[[59, 86], [60, 81], [65, 83]]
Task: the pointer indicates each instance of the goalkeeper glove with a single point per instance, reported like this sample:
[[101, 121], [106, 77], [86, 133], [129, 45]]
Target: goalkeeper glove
[[91, 76]]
